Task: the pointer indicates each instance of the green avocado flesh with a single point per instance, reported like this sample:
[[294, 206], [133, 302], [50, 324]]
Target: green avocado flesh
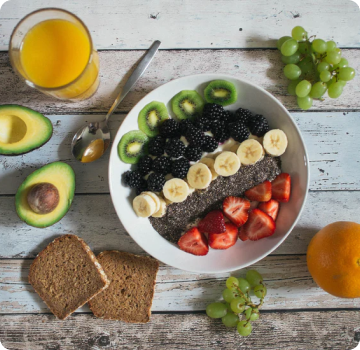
[[62, 177], [22, 129]]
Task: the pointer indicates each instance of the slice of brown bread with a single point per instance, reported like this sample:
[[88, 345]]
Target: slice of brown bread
[[131, 291], [66, 275]]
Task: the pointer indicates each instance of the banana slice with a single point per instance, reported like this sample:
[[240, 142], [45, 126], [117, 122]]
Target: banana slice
[[191, 189], [176, 190], [144, 205], [227, 163], [199, 176], [162, 211], [275, 142], [257, 138], [155, 198], [209, 162], [250, 152]]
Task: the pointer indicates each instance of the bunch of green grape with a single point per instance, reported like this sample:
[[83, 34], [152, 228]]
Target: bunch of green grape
[[313, 67], [238, 310]]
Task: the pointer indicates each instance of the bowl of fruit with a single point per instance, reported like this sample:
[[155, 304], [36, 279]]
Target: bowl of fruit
[[208, 173]]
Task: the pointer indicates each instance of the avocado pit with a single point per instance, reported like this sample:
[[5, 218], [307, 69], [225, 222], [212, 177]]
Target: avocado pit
[[43, 198]]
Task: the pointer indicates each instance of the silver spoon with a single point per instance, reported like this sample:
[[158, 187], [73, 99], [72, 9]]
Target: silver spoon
[[92, 140]]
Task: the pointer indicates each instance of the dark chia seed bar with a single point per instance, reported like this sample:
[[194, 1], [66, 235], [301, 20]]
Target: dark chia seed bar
[[179, 216]]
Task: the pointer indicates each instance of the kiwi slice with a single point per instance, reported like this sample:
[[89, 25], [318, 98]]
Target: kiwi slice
[[221, 92], [151, 116], [132, 146], [187, 104]]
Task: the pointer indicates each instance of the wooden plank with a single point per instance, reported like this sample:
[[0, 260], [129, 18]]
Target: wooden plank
[[297, 330], [332, 140], [198, 24], [93, 218], [261, 67]]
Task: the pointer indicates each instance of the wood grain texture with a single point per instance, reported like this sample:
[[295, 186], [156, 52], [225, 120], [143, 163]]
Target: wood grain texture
[[290, 331], [197, 24], [261, 67]]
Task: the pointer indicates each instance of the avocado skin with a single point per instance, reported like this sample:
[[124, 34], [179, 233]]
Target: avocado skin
[[38, 145]]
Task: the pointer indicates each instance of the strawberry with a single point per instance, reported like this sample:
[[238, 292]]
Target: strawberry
[[281, 187], [212, 223], [260, 193], [242, 235], [271, 208], [259, 225], [224, 240], [236, 210], [194, 242]]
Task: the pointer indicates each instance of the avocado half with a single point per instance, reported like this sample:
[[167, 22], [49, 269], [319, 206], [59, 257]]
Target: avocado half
[[62, 176], [22, 130]]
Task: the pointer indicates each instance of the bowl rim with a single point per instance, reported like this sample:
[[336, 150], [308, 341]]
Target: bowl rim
[[216, 76]]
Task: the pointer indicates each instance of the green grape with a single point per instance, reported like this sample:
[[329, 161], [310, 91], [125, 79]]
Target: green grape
[[292, 86], [289, 47], [304, 47], [298, 33], [260, 291], [244, 328], [323, 66], [335, 90], [333, 57], [292, 71], [330, 45], [232, 283], [343, 63], [254, 278], [318, 89], [255, 314], [238, 305], [216, 310], [346, 73], [304, 102], [337, 50], [325, 76], [229, 295], [303, 88], [248, 312], [306, 65], [281, 41], [228, 307], [319, 45], [331, 81], [295, 58], [230, 320], [244, 285], [342, 82]]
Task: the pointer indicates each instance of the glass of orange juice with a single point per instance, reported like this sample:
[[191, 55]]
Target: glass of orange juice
[[52, 50]]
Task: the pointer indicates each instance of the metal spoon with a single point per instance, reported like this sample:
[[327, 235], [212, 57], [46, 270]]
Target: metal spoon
[[91, 141]]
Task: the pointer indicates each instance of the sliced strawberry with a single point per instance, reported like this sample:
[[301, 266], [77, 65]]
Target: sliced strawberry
[[212, 223], [271, 208], [260, 193], [194, 242], [281, 187], [224, 240], [259, 225], [236, 210], [242, 235]]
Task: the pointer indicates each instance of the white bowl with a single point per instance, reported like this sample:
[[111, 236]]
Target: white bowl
[[242, 254]]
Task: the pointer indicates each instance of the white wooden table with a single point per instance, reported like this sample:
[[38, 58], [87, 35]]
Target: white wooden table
[[221, 36]]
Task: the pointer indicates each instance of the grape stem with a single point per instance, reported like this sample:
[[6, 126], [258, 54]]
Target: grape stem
[[247, 298]]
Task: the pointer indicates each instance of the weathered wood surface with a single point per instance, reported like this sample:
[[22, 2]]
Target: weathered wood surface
[[289, 283], [261, 67], [332, 140], [198, 24], [297, 330], [93, 218]]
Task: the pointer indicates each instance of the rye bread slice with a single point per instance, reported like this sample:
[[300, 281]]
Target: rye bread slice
[[66, 275], [131, 291]]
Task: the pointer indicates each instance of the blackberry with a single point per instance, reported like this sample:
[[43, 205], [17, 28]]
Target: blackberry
[[209, 144], [243, 115], [184, 125], [174, 148], [238, 131], [193, 153], [156, 146], [132, 178], [155, 182], [228, 117], [162, 165], [194, 136], [202, 123], [142, 187], [144, 166], [217, 125], [221, 135], [213, 111], [258, 125], [169, 128], [180, 168]]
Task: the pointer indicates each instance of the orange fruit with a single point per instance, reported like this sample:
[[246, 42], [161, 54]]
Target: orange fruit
[[333, 259]]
